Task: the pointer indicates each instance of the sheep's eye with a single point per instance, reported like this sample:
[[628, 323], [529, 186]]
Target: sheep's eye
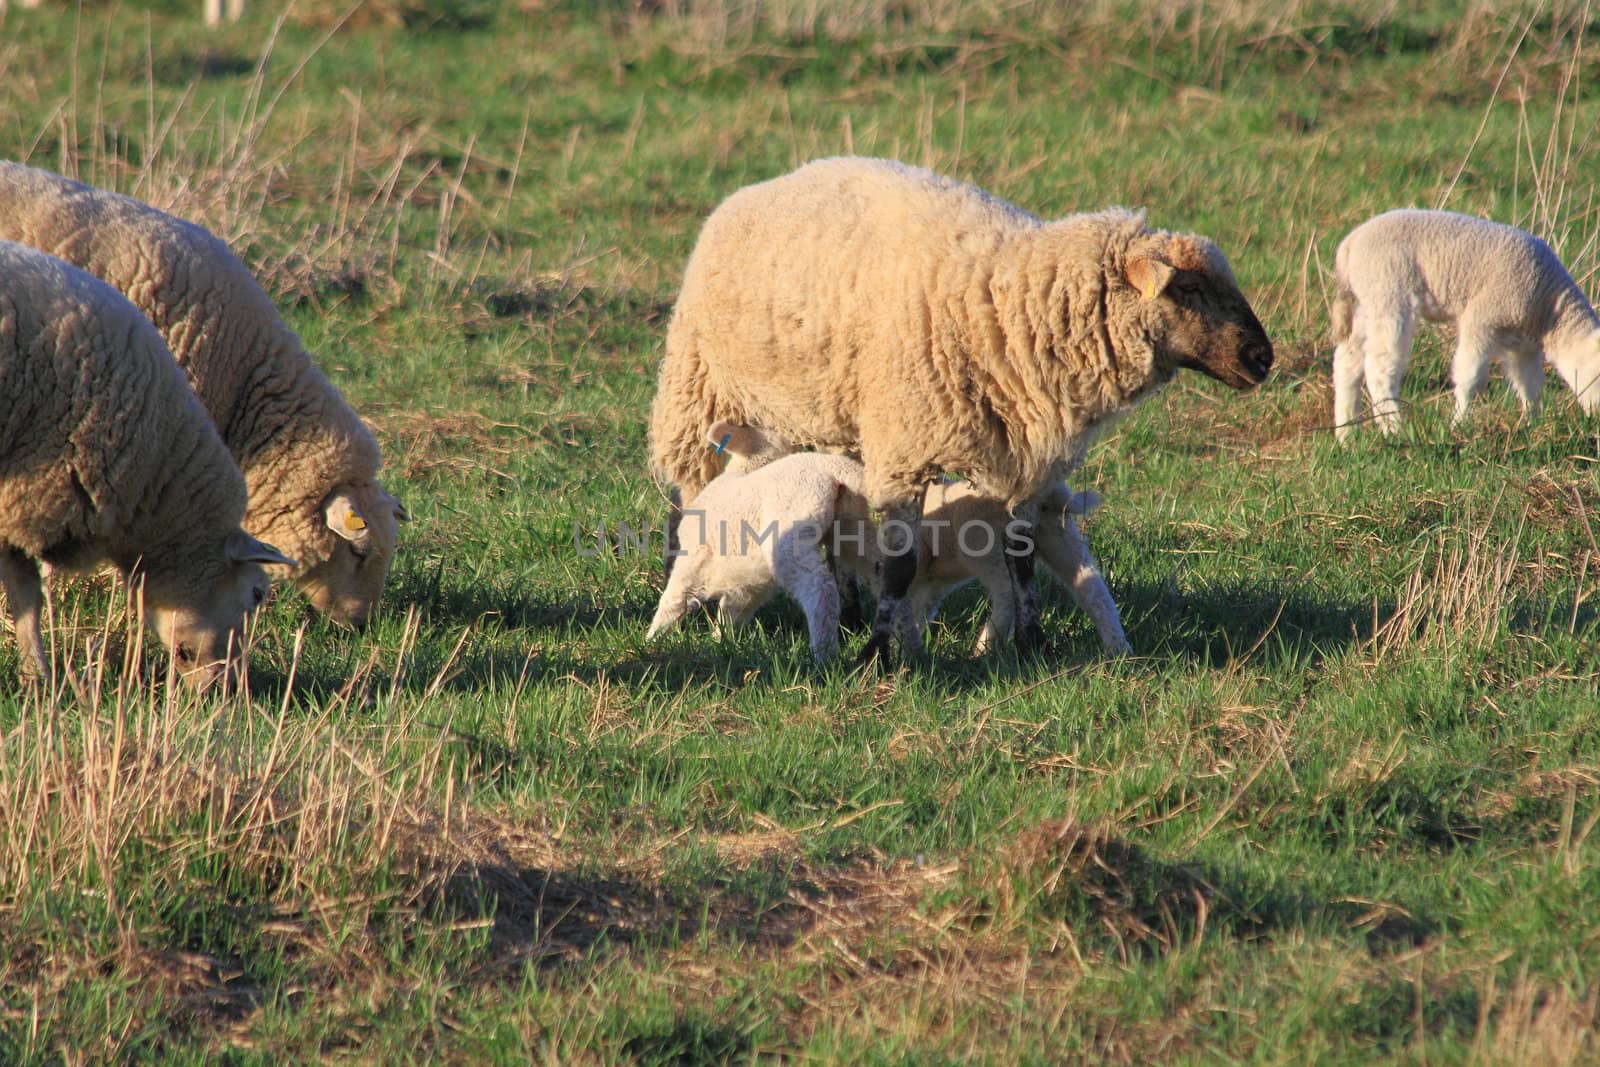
[[184, 652], [360, 554], [257, 595]]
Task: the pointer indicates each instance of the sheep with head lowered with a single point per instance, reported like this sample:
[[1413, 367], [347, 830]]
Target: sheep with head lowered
[[310, 463], [107, 457], [1505, 290], [868, 306]]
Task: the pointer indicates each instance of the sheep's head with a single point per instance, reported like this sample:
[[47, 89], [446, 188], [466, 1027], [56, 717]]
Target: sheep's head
[[1192, 312], [199, 610], [365, 521], [747, 447]]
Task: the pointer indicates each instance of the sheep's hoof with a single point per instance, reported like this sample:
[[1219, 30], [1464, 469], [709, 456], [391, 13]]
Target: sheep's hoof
[[1030, 637], [875, 654]]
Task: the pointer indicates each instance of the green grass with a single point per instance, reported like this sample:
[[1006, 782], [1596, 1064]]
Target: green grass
[[1338, 808]]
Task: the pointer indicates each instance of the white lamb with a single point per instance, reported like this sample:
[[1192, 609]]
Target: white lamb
[[310, 463], [107, 457], [867, 306], [810, 505], [1505, 290], [751, 533]]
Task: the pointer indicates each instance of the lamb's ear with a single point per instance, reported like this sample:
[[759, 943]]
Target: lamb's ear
[[345, 519], [242, 548], [1149, 274]]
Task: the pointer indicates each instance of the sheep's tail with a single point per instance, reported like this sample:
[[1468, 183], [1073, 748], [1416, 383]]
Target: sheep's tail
[[1342, 313], [685, 406]]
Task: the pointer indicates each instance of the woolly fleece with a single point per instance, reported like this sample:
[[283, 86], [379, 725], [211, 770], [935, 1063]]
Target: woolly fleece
[[869, 306], [107, 457], [308, 460]]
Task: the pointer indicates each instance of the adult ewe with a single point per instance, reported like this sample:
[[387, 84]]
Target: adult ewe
[[106, 457], [1505, 290], [869, 306], [310, 463]]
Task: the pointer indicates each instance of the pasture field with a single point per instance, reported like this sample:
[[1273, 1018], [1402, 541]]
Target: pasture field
[[1338, 808]]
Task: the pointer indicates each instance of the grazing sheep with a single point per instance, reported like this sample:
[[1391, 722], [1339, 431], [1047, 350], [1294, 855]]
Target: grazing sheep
[[1505, 290], [107, 457], [869, 306], [962, 539], [310, 463], [750, 533]]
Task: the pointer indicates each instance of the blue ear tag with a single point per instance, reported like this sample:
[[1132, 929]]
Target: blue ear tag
[[724, 444]]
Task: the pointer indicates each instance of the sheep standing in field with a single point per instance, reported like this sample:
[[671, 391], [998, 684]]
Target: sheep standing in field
[[310, 463], [107, 457], [962, 538], [869, 306], [1505, 290]]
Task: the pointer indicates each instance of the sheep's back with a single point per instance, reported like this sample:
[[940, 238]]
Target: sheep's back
[[804, 290], [1447, 261], [103, 442]]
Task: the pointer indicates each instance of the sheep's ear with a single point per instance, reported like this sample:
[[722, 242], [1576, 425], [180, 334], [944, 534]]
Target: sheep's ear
[[725, 436], [242, 548], [345, 519], [400, 512], [1149, 274]]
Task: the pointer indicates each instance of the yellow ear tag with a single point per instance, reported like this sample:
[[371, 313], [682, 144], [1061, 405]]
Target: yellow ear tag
[[354, 522]]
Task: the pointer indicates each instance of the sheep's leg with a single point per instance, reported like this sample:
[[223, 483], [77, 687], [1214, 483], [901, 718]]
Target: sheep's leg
[[1525, 370], [1019, 553], [1347, 373], [1064, 551], [898, 537], [20, 576], [1469, 369], [1387, 346]]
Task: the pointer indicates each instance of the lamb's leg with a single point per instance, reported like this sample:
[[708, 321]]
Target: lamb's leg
[[1525, 370], [1469, 368], [677, 599], [898, 536], [1064, 551], [1387, 334], [1347, 371], [1000, 587], [674, 520], [809, 579], [25, 593], [1019, 553]]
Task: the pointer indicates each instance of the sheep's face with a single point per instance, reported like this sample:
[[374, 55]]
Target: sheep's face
[[201, 620], [365, 522], [1193, 313]]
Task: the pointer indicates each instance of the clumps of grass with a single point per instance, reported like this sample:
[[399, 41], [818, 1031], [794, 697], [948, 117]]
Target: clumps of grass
[[1101, 895], [1458, 596]]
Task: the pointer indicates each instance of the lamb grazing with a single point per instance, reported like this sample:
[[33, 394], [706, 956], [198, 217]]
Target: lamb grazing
[[867, 306], [1505, 290], [749, 534], [107, 457], [310, 463], [962, 539]]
